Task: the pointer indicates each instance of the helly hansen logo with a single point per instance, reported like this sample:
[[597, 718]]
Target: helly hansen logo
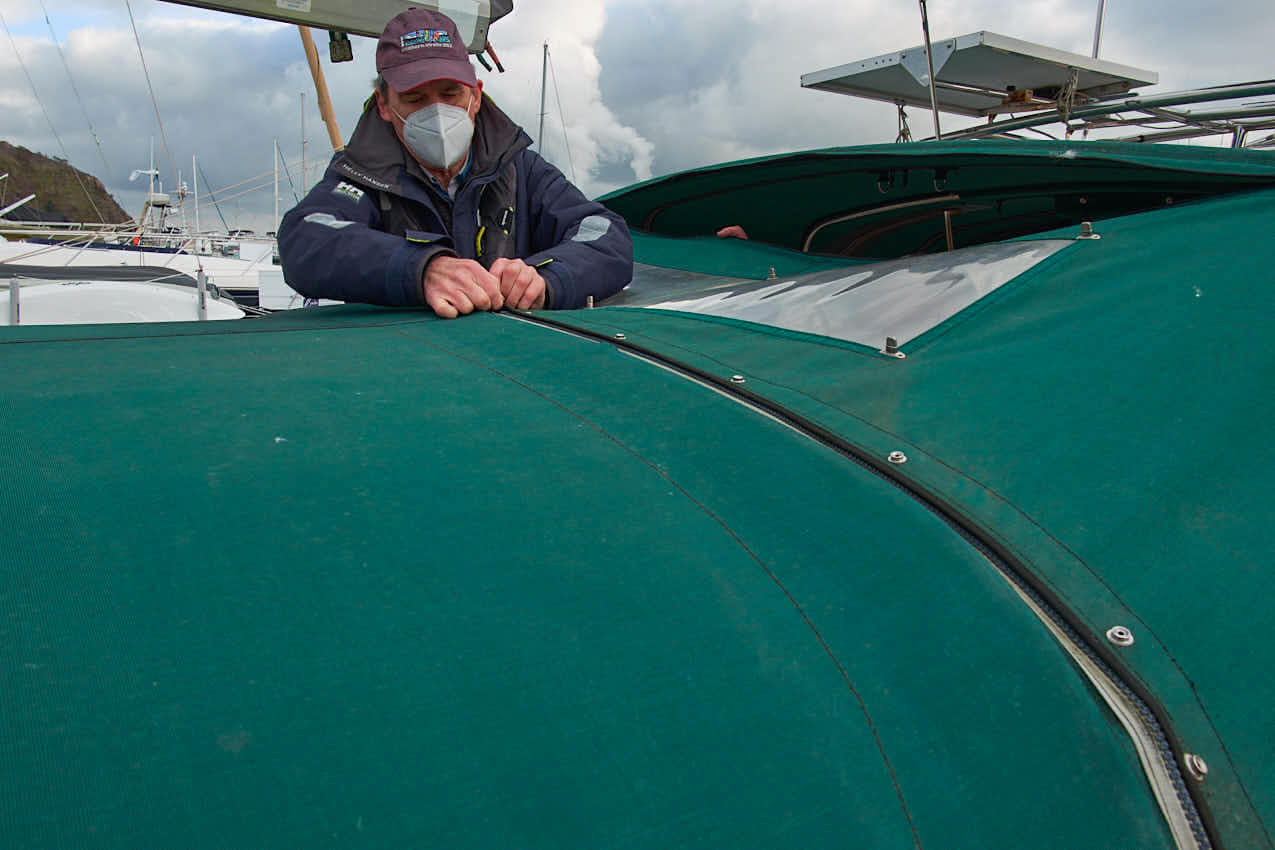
[[352, 192], [425, 38]]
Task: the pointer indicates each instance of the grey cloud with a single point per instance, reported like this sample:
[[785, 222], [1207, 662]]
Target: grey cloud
[[722, 82], [661, 49], [703, 82]]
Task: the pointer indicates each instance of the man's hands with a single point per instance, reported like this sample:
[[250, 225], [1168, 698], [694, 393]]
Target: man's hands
[[520, 284], [456, 287]]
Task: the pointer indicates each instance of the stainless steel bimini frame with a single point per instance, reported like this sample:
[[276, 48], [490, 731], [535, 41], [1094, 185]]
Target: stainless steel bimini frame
[[1158, 115]]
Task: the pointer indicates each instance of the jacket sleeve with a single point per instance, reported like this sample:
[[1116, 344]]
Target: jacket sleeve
[[579, 246], [331, 246]]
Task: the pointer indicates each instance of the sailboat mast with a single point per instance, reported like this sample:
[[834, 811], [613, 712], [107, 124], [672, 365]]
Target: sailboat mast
[[544, 66], [276, 185], [150, 185], [194, 171], [303, 183]]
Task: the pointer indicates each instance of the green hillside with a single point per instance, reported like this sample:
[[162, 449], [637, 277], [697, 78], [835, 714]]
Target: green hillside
[[58, 195]]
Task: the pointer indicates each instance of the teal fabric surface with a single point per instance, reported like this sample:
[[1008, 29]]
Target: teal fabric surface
[[1107, 418], [359, 578], [729, 257]]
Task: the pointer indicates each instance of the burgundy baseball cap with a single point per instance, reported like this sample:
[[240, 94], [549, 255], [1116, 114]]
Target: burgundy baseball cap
[[420, 45]]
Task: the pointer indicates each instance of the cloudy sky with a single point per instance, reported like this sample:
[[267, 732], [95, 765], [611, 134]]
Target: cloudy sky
[[646, 87]]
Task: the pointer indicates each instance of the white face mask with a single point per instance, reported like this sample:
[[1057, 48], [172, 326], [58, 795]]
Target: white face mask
[[439, 134]]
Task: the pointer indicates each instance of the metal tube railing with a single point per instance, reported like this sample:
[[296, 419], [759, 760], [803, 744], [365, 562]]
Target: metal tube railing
[[1132, 104]]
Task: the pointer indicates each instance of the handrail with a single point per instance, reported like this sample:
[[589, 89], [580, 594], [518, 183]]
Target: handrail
[[1129, 104], [920, 202]]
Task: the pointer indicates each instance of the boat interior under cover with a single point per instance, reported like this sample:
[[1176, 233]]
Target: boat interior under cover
[[888, 201]]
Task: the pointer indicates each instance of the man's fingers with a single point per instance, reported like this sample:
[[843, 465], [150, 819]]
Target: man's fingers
[[474, 293], [505, 271], [441, 307], [533, 295], [522, 285], [456, 286], [520, 277], [490, 285]]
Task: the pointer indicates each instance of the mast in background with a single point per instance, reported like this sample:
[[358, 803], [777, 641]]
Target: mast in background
[[544, 68], [276, 186], [194, 171], [303, 141]]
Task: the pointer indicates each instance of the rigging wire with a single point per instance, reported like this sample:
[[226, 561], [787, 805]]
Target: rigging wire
[[562, 118], [216, 205], [253, 184], [97, 140], [162, 134], [66, 156], [288, 174]]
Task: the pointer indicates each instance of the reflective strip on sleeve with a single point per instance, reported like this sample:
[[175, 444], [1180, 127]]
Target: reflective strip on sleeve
[[592, 229], [328, 220]]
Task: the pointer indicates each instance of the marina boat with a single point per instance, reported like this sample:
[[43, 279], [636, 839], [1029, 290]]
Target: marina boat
[[41, 295], [936, 514], [238, 275]]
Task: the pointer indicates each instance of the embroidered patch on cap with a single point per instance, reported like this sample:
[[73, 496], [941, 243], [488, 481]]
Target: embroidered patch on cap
[[349, 191], [425, 38]]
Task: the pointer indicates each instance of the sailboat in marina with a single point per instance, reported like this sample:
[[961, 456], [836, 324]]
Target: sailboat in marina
[[166, 234]]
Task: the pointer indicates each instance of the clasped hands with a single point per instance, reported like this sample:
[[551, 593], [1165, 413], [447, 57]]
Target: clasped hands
[[455, 286]]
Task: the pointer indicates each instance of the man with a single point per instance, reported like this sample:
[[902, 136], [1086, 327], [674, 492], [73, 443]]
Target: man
[[438, 199]]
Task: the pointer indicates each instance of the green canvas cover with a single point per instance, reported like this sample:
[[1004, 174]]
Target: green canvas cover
[[361, 577], [1001, 189], [354, 577], [1106, 418]]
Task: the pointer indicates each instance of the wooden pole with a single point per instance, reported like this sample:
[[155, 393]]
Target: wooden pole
[[321, 89]]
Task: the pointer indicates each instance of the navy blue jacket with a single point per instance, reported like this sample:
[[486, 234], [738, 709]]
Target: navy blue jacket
[[369, 229]]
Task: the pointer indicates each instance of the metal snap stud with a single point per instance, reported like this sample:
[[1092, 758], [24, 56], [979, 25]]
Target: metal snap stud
[[1196, 766], [892, 348], [897, 457], [619, 336], [737, 379], [1120, 636]]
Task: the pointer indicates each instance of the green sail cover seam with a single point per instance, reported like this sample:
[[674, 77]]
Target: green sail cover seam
[[1155, 716], [754, 327], [806, 618]]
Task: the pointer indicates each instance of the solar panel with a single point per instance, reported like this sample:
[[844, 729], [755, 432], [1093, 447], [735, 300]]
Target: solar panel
[[980, 74], [366, 17]]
